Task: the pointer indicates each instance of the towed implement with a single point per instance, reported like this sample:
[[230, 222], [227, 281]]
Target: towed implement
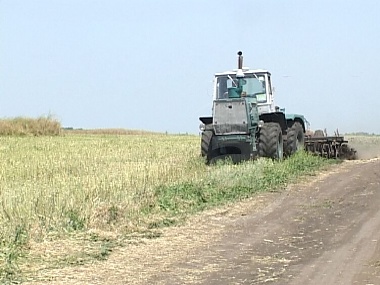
[[245, 122], [329, 146]]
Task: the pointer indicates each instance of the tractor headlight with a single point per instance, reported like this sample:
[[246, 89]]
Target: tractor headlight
[[261, 123], [202, 127]]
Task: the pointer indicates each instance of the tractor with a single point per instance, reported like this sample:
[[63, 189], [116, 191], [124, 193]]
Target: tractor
[[245, 122]]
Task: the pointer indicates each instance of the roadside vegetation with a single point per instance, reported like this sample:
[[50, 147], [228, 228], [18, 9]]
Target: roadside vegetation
[[71, 199]]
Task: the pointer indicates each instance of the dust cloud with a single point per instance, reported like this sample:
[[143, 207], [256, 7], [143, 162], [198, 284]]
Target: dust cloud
[[365, 149]]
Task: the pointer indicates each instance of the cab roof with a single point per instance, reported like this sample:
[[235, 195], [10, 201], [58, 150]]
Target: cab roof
[[245, 71]]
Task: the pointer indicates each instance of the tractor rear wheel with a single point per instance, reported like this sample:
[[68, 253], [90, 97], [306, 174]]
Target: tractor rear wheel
[[206, 148], [270, 141], [295, 139]]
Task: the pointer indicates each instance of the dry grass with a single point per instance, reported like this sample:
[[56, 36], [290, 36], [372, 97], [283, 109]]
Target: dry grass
[[89, 181], [69, 131], [22, 126], [52, 188]]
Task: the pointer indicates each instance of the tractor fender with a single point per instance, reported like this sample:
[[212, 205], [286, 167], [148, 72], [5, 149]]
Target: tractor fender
[[292, 118], [276, 117]]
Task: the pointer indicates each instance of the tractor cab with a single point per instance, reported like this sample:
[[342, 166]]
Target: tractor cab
[[253, 83]]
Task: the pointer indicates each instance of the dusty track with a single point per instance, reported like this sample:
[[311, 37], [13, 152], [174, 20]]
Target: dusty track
[[323, 231]]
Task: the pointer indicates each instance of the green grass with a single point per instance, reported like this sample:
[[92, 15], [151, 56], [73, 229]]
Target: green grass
[[227, 182], [56, 189]]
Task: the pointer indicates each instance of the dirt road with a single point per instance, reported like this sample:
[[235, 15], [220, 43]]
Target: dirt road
[[322, 231]]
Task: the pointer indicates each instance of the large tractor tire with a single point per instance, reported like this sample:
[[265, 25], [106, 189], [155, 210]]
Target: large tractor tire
[[206, 148], [295, 139], [270, 141]]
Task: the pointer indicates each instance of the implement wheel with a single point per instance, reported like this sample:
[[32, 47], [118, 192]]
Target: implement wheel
[[270, 141], [295, 139]]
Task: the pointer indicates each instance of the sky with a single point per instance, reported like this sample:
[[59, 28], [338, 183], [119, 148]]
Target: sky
[[149, 64]]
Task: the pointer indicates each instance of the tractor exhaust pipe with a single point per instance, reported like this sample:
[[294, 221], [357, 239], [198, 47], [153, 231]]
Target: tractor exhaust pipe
[[240, 60]]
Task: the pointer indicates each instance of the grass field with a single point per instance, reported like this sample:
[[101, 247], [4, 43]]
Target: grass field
[[79, 195]]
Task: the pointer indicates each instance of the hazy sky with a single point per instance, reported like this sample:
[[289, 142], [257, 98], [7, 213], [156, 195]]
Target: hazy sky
[[150, 64]]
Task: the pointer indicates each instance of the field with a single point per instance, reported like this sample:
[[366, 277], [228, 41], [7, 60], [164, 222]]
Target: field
[[73, 198]]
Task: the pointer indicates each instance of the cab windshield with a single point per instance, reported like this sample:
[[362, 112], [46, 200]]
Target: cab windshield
[[253, 85]]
